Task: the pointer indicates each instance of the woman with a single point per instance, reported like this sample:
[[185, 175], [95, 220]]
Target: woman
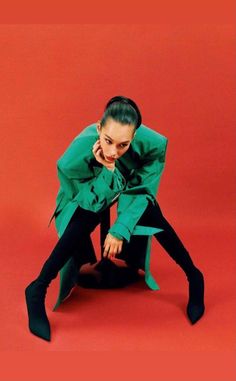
[[116, 159]]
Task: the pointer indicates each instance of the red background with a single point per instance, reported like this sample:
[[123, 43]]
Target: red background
[[55, 80]]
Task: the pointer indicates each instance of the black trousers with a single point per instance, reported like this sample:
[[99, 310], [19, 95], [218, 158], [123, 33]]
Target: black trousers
[[76, 241]]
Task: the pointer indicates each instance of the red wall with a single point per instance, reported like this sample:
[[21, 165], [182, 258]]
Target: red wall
[[56, 79]]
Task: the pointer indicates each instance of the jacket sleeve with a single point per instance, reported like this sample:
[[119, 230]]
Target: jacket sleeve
[[92, 190], [141, 187]]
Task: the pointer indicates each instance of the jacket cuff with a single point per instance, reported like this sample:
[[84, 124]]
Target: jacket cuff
[[116, 235], [119, 229]]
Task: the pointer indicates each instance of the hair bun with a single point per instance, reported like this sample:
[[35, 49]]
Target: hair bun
[[128, 101]]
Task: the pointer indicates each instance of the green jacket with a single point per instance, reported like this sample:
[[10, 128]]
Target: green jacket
[[85, 182]]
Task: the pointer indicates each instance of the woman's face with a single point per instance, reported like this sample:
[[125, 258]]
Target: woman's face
[[115, 138]]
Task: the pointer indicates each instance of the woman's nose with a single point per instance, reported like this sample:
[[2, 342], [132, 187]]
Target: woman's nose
[[113, 154]]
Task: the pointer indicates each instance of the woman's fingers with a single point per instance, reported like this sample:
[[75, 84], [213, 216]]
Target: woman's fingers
[[111, 250], [106, 249], [112, 246], [96, 145], [97, 151], [99, 155]]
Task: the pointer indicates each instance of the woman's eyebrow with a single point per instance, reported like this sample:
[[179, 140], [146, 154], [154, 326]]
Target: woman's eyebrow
[[127, 141]]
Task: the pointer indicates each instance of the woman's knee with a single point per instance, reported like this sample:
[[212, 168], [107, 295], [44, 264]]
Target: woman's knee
[[85, 219], [152, 215]]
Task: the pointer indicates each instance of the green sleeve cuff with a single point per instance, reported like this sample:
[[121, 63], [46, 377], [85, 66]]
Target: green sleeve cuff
[[120, 229], [116, 235]]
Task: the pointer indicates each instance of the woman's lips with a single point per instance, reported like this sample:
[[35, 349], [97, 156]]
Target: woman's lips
[[110, 158]]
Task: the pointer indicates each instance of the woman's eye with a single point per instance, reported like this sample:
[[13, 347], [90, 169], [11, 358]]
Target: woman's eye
[[109, 142]]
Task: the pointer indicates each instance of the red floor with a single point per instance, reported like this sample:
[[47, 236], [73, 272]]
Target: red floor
[[145, 334]]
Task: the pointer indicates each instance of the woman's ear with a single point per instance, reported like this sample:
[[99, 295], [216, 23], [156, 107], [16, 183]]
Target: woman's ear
[[99, 127]]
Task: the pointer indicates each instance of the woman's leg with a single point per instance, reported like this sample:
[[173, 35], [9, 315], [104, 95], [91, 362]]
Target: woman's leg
[[74, 239], [177, 251]]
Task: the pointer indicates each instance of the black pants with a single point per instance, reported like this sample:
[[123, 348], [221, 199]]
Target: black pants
[[76, 241], [168, 238]]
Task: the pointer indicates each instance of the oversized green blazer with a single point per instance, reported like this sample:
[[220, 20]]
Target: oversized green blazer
[[85, 182]]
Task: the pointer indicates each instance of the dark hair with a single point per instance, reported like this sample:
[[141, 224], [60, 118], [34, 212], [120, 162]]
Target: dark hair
[[123, 110]]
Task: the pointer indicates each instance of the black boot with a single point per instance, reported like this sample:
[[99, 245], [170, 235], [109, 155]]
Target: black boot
[[35, 294], [196, 307], [74, 240], [175, 248]]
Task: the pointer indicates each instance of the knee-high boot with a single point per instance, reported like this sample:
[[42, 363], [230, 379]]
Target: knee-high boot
[[35, 293], [175, 248]]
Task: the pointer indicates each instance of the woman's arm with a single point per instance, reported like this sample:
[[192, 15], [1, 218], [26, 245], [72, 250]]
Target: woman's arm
[[92, 190], [143, 185]]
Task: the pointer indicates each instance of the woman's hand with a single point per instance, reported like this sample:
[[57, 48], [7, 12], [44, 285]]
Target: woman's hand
[[112, 246], [97, 151]]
